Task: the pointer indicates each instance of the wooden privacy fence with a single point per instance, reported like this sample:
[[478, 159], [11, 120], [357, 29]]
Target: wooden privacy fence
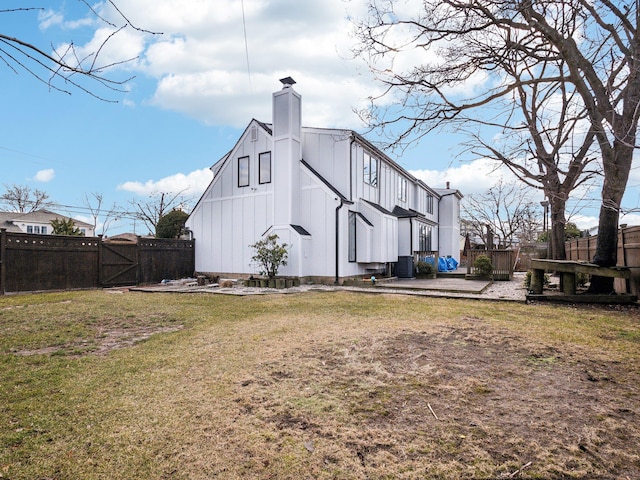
[[31, 262], [584, 249], [503, 262]]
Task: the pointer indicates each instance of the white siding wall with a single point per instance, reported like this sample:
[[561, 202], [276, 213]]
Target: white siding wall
[[229, 218], [404, 237], [384, 246], [449, 237], [317, 207], [328, 153]]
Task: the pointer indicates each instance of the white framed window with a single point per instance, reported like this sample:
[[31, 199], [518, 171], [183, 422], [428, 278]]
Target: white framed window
[[264, 167], [352, 236], [429, 203], [29, 228], [243, 172], [370, 170], [43, 230], [402, 189]]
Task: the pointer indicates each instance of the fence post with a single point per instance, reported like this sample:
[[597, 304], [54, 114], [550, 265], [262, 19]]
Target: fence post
[[624, 260], [100, 261], [3, 260], [138, 266]]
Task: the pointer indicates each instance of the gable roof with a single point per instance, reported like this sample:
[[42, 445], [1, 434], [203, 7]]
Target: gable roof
[[8, 220]]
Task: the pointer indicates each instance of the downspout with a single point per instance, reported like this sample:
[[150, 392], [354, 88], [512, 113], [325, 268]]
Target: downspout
[[411, 236], [337, 279], [353, 140]]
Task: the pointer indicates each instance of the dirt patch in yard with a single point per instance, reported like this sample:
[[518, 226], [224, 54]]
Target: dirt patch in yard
[[467, 398], [105, 341]]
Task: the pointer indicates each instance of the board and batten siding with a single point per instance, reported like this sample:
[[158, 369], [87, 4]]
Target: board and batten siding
[[233, 217]]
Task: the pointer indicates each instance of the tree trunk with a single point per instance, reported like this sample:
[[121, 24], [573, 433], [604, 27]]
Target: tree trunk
[[616, 168], [556, 237], [606, 249]]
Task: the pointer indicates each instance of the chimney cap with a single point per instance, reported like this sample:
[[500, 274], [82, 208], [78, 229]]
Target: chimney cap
[[287, 82]]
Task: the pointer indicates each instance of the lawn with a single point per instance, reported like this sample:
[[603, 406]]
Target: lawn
[[328, 385]]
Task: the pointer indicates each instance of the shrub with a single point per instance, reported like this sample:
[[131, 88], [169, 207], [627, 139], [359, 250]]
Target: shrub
[[269, 255], [483, 266], [424, 268], [65, 227], [171, 225]]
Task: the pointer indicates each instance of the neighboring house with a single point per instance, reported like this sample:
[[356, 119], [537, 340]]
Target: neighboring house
[[38, 222], [344, 207]]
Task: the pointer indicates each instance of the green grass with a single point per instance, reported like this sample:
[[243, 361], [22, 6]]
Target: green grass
[[97, 385]]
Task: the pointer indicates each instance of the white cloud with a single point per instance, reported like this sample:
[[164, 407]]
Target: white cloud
[[199, 63], [45, 175], [469, 178], [191, 185], [49, 18]]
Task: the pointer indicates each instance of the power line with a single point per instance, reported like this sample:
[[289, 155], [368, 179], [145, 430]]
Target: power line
[[246, 44]]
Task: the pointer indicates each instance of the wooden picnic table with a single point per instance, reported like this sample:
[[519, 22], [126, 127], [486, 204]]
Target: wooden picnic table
[[568, 270]]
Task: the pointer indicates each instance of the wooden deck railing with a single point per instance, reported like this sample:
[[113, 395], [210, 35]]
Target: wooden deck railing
[[503, 262]]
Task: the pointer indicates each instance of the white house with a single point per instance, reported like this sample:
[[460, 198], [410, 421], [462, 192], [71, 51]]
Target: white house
[[344, 207], [39, 222]]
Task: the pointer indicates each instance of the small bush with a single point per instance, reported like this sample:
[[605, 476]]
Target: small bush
[[483, 266], [270, 255], [424, 268]]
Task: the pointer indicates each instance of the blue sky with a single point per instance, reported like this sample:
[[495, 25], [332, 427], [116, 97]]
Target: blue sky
[[196, 87]]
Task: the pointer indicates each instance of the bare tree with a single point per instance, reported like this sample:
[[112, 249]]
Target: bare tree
[[158, 205], [505, 207], [94, 203], [551, 149], [63, 68], [588, 48], [20, 198]]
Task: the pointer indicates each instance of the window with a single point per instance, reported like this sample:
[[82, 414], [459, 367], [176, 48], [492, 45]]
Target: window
[[352, 236], [264, 167], [424, 238], [36, 229], [243, 172], [402, 189], [29, 228], [43, 230], [429, 203], [370, 170]]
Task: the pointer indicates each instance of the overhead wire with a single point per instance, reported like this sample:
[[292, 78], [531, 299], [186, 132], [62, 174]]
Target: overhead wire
[[246, 45]]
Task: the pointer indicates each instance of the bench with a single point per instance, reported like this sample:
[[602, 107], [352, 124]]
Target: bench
[[568, 270]]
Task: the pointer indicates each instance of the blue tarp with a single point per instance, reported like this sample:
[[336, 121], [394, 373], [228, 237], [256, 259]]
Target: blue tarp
[[447, 264]]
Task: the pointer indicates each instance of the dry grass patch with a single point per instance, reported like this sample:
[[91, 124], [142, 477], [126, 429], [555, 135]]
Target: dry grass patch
[[317, 385]]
